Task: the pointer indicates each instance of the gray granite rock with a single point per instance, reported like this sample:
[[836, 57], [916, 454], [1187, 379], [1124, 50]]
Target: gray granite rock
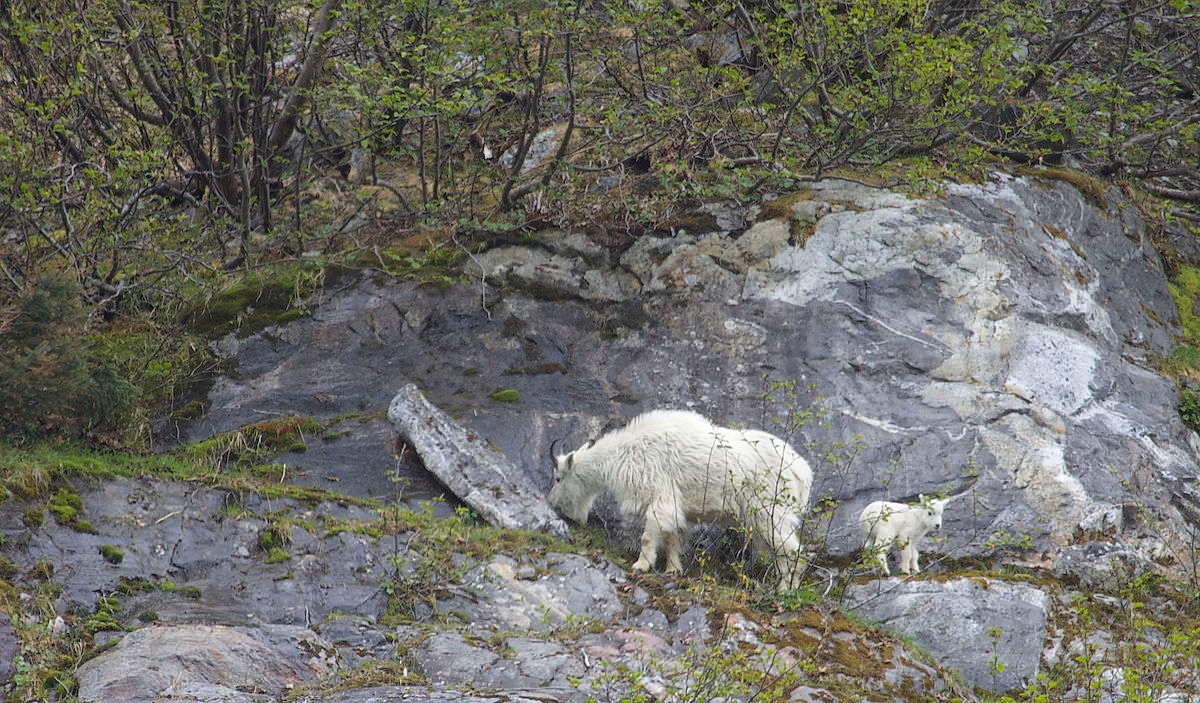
[[565, 589], [205, 662], [991, 631]]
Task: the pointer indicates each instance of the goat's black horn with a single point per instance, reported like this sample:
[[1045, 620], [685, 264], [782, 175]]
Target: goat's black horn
[[554, 454]]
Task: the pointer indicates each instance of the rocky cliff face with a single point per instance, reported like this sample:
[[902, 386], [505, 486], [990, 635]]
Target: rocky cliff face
[[994, 342]]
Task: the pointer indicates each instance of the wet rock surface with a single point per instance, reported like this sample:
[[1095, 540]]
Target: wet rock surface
[[9, 648]]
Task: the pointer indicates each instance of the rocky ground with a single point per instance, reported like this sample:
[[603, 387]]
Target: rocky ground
[[195, 612]]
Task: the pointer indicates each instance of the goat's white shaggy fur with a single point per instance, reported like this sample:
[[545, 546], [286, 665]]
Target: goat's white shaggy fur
[[674, 467], [884, 523]]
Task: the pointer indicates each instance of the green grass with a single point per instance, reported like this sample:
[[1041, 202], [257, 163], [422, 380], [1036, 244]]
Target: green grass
[[1185, 289], [238, 461]]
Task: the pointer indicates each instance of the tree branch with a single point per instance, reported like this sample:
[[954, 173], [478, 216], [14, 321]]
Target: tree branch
[[297, 99]]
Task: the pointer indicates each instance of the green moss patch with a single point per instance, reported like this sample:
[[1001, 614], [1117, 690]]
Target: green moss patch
[[105, 617], [192, 592], [255, 302], [800, 226], [67, 508], [251, 446], [505, 395], [34, 518], [130, 586], [284, 434], [432, 263], [111, 554], [238, 461], [277, 555], [1185, 289], [1089, 187]]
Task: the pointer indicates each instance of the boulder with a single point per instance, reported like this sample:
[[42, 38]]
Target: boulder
[[205, 663], [563, 588], [989, 630], [193, 562]]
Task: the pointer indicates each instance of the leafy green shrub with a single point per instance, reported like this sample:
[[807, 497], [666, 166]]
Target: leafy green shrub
[[1189, 408], [53, 384]]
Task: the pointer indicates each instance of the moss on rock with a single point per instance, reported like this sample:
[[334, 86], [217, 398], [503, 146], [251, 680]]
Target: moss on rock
[[255, 302], [505, 395], [111, 554]]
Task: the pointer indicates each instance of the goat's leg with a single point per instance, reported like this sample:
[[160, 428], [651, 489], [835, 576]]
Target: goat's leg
[[674, 546], [663, 531], [880, 551], [908, 558], [651, 539]]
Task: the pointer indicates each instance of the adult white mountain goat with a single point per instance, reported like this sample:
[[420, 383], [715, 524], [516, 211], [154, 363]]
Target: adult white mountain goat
[[674, 467], [884, 523]]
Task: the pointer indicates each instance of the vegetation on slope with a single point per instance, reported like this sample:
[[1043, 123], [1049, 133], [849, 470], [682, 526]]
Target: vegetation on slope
[[164, 159]]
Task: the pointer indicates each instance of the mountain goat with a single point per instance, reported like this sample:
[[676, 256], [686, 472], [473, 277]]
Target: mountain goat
[[674, 467], [884, 523]]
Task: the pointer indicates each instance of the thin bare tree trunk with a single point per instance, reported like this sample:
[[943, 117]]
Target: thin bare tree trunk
[[297, 99]]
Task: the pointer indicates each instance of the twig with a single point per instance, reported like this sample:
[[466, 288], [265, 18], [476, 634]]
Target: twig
[[482, 276], [168, 515]]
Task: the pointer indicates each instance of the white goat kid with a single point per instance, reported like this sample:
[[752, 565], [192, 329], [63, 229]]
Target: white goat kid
[[884, 523], [673, 468]]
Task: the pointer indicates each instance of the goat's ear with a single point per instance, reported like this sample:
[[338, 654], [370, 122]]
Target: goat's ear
[[591, 443]]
